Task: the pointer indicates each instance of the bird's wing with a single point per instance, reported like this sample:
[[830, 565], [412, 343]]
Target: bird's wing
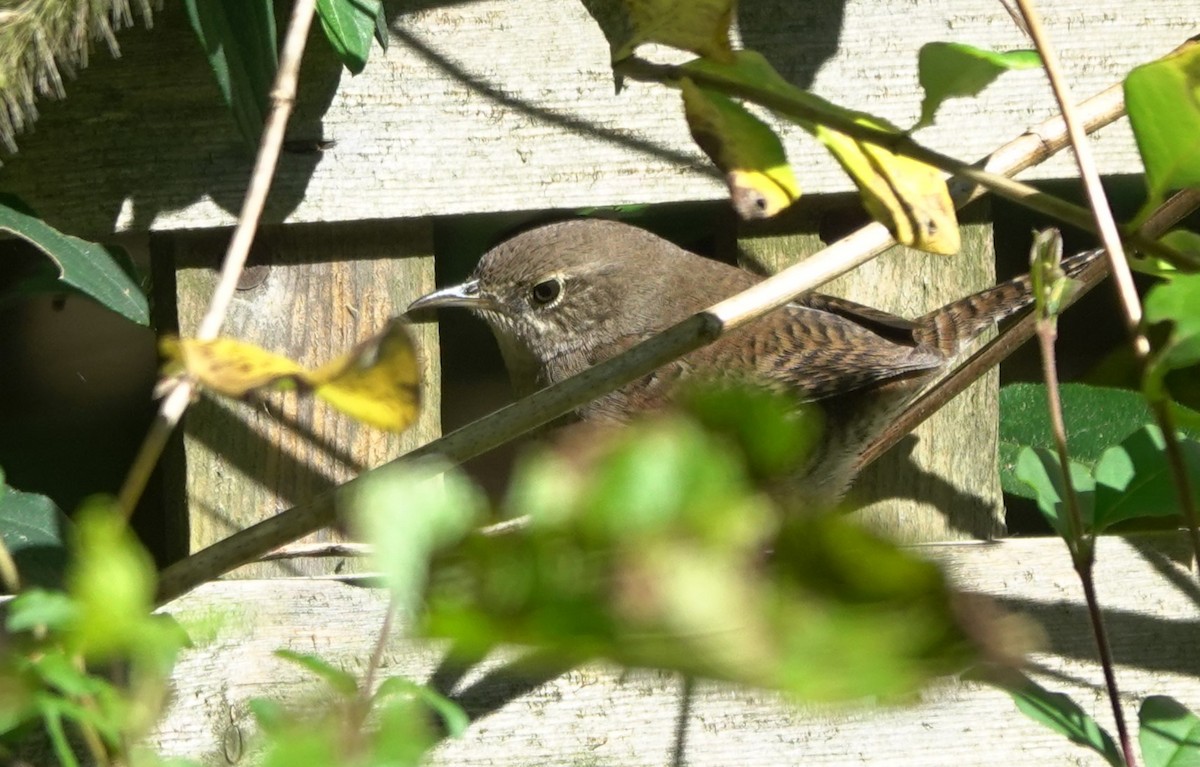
[[821, 352]]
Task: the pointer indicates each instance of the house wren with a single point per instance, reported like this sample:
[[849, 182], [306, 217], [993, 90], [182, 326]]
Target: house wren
[[563, 297]]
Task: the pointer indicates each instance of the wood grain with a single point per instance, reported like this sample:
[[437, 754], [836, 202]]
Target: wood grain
[[314, 292], [597, 714], [501, 105]]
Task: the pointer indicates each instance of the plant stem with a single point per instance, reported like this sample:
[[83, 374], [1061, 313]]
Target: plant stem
[[1081, 542], [283, 98], [1106, 660], [1106, 226]]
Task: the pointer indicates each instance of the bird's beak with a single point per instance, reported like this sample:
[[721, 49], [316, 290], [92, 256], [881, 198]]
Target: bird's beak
[[467, 295]]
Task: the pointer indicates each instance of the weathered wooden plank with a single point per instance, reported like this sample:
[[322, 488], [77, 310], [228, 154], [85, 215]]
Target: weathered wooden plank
[[500, 105], [941, 483], [311, 293], [597, 715]]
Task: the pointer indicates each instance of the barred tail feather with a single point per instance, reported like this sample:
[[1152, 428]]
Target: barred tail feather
[[957, 323]]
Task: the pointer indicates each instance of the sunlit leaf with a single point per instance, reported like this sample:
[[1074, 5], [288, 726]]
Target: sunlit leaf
[[953, 70], [112, 579], [52, 610], [408, 512], [907, 196], [1096, 417], [1051, 286], [1054, 710], [746, 150], [238, 37], [700, 26], [350, 25], [1134, 479], [377, 382], [1177, 301], [228, 366], [452, 714], [659, 558], [1163, 102], [1041, 471], [90, 268], [1168, 733]]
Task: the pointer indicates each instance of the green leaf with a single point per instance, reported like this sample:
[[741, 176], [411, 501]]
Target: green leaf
[[1097, 418], [61, 672], [350, 25], [907, 196], [1039, 468], [37, 607], [93, 269], [452, 714], [1163, 102], [760, 181], [1186, 242], [340, 681], [409, 512], [700, 26], [112, 579], [238, 37], [1169, 734], [1052, 709], [952, 70], [269, 714], [1177, 301], [655, 559], [31, 527], [1134, 479]]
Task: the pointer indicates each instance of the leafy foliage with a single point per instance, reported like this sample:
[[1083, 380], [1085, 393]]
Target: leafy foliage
[[954, 70], [350, 26], [1052, 709], [1168, 86], [31, 529], [649, 546], [239, 39], [1097, 419], [97, 271], [337, 735], [103, 617], [1169, 734]]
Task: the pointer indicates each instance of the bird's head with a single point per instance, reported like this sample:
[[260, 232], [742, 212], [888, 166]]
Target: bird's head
[[560, 291]]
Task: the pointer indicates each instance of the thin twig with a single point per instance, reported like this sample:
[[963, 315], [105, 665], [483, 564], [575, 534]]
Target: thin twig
[[1122, 275], [543, 406], [283, 98], [9, 576], [363, 703], [1081, 541]]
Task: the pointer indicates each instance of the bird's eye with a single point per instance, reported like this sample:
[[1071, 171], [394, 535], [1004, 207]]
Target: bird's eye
[[546, 291]]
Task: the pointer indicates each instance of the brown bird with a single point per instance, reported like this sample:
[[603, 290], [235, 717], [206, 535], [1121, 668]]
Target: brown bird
[[563, 297]]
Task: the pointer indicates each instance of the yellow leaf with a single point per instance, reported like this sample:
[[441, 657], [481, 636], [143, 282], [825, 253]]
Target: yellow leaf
[[745, 148], [700, 26], [377, 382], [226, 365], [907, 196]]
